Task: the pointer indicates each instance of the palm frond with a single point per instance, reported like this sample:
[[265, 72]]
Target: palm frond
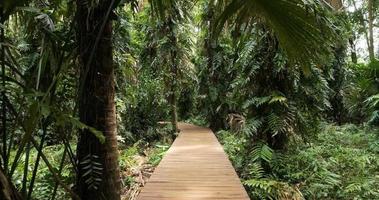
[[302, 32]]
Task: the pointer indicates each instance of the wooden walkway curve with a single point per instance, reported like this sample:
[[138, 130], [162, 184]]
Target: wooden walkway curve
[[194, 168]]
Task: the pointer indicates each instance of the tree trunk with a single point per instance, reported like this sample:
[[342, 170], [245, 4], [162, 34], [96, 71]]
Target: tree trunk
[[3, 94], [98, 170], [336, 83], [363, 24], [353, 52], [215, 119], [173, 96], [174, 76], [370, 8], [174, 112]]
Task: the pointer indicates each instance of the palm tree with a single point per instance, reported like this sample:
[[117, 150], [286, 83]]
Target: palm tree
[[98, 173]]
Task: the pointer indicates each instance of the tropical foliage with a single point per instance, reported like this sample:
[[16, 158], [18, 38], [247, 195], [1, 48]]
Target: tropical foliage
[[289, 86]]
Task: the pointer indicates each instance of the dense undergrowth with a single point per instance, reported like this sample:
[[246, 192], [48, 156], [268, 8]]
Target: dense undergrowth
[[341, 162], [137, 162], [265, 75], [44, 181]]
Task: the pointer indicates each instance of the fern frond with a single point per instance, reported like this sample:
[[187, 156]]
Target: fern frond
[[92, 171], [262, 152]]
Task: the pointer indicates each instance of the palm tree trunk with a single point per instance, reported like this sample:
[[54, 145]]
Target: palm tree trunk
[[98, 170]]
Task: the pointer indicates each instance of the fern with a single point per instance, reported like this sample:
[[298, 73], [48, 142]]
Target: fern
[[278, 99], [276, 124], [266, 188], [251, 127], [263, 188], [262, 152], [92, 171], [256, 101], [256, 171]]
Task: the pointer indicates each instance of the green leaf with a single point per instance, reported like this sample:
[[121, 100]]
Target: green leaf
[[302, 28], [97, 133], [77, 123]]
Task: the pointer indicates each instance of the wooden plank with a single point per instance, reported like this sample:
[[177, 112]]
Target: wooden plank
[[194, 168]]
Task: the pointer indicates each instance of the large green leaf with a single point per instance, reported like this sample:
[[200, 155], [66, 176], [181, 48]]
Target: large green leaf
[[302, 28]]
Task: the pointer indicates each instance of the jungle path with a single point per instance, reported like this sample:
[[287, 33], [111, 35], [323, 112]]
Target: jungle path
[[194, 168]]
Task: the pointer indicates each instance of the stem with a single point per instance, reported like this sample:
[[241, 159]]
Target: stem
[[363, 24], [55, 175], [49, 166], [31, 184], [26, 166], [4, 111], [40, 62], [71, 154], [61, 165], [371, 19]]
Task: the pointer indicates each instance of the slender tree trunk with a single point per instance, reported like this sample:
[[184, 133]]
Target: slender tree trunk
[[98, 170], [371, 50], [4, 107], [26, 170], [336, 83], [173, 78], [353, 52], [174, 112], [363, 24], [216, 120], [174, 87]]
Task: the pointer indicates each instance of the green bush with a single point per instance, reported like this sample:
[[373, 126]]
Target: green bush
[[342, 162]]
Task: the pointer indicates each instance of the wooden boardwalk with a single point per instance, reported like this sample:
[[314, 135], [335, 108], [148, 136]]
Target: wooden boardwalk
[[194, 168]]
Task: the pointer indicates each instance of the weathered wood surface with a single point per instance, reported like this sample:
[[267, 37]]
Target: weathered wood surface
[[194, 168]]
